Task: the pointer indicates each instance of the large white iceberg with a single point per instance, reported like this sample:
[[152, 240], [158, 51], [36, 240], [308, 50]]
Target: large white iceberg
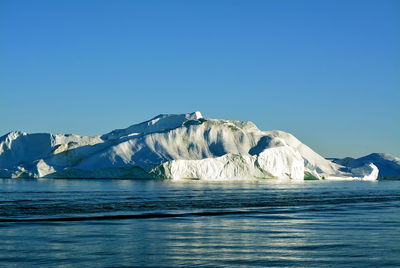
[[171, 146]]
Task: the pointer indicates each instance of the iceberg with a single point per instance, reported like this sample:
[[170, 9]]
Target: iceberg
[[172, 146], [388, 165]]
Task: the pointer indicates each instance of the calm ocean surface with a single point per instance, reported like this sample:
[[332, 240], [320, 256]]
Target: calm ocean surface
[[130, 223]]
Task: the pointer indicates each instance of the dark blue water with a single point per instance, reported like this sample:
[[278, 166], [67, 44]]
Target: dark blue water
[[124, 223]]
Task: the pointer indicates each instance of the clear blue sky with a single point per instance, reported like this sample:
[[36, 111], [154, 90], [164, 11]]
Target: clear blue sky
[[326, 71]]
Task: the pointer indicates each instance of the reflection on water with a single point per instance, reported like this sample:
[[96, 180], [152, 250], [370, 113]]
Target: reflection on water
[[313, 224]]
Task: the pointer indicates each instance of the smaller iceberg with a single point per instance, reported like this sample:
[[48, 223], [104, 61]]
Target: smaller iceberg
[[367, 172], [388, 165]]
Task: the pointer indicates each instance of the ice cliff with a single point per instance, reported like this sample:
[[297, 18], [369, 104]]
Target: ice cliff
[[173, 146]]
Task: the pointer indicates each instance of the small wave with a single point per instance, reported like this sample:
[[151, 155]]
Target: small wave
[[134, 216]]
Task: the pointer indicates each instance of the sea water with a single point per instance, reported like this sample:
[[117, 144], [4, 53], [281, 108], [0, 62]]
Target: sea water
[[139, 223]]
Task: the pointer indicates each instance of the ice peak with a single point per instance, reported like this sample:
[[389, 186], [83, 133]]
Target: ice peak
[[159, 123], [196, 115], [188, 116]]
